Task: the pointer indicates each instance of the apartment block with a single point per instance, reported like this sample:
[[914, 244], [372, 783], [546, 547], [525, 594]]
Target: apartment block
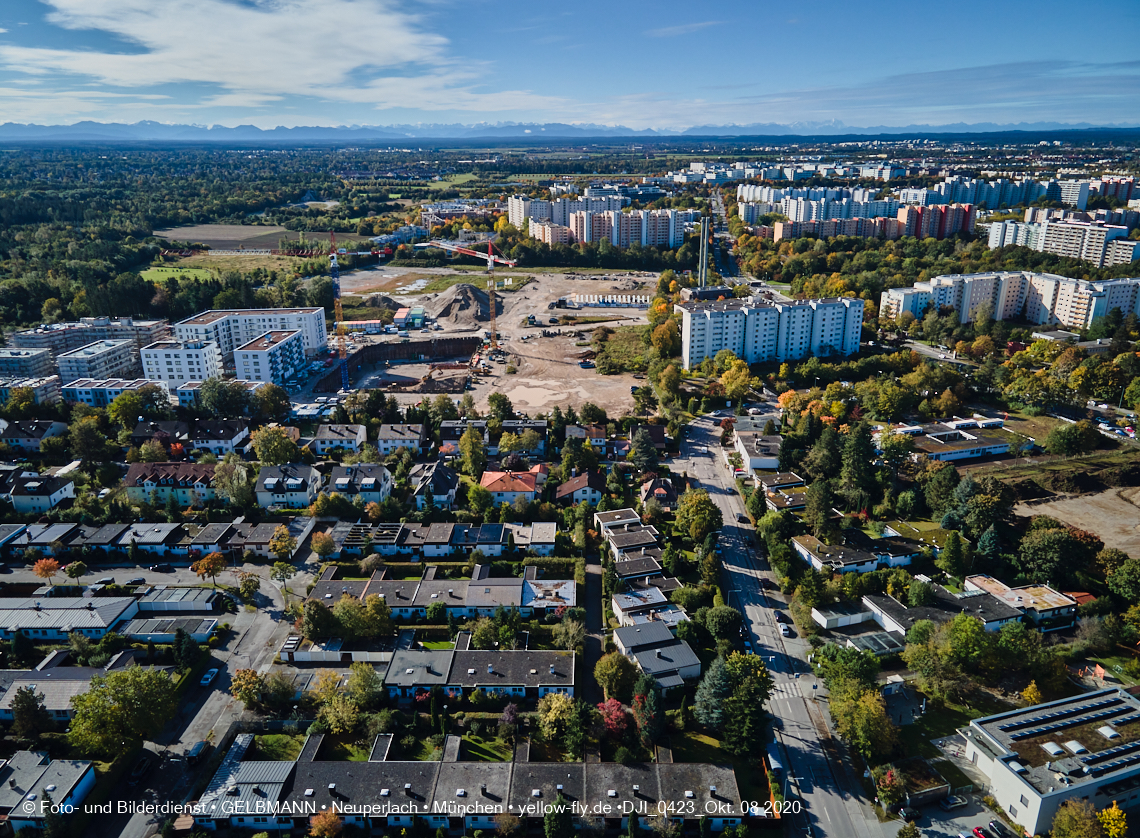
[[1011, 233], [866, 228], [45, 390], [550, 233], [177, 361], [26, 363], [101, 392], [63, 337], [101, 359], [232, 328], [936, 222], [274, 356], [758, 331]]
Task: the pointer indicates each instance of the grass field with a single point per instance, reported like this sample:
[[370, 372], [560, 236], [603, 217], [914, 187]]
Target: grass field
[[626, 349], [691, 746], [277, 747], [943, 721], [241, 263], [159, 274], [479, 749], [342, 749], [438, 645], [452, 181]]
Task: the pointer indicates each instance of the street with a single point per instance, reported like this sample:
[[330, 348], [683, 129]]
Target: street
[[832, 799]]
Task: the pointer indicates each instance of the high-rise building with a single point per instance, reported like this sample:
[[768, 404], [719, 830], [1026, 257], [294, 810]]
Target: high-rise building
[[549, 232], [273, 356], [232, 328], [936, 222], [101, 359], [758, 331], [178, 361]]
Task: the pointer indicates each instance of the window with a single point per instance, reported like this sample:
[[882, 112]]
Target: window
[[1012, 811], [1024, 800]]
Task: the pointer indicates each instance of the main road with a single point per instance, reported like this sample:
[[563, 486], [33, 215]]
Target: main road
[[816, 773]]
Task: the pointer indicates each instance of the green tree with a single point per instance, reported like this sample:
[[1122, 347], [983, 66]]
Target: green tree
[[856, 480], [818, 510], [616, 675], [558, 822], [1125, 581], [500, 407], [120, 710], [471, 451], [861, 719], [88, 442], [224, 398], [318, 622], [714, 689], [282, 572], [76, 570], [950, 558], [30, 717], [723, 621], [697, 515], [271, 403], [273, 447], [642, 453]]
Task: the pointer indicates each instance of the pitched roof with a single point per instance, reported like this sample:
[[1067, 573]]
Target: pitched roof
[[338, 432], [170, 474], [591, 479], [409, 432], [508, 481], [38, 486], [490, 669]]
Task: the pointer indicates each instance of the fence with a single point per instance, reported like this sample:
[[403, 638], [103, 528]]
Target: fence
[[400, 351]]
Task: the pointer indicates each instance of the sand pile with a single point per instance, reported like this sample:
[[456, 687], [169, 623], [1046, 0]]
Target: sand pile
[[462, 306], [382, 301]]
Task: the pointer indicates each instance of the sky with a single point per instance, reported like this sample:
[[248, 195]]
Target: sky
[[664, 64]]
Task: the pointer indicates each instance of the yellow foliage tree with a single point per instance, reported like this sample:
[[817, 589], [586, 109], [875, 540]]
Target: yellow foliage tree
[[1031, 694], [1113, 821]]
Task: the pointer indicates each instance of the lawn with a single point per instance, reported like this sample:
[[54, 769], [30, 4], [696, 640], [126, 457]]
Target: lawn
[[1114, 666], [276, 747], [939, 722], [691, 746], [452, 181], [158, 274], [438, 645], [344, 749], [480, 749]]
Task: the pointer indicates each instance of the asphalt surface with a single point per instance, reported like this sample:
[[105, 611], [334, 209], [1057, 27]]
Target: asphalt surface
[[831, 798]]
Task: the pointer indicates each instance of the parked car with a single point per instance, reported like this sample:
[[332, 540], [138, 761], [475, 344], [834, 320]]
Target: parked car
[[106, 580], [785, 631], [981, 833], [1000, 829], [741, 517], [139, 770], [910, 814], [138, 580], [953, 802], [210, 675], [160, 568], [778, 616]]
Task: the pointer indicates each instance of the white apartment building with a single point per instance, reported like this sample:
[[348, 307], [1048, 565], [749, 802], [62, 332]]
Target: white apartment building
[[174, 362], [101, 359], [802, 209], [759, 331], [27, 363], [550, 233], [232, 328], [274, 356], [1010, 233], [1102, 244], [1042, 299]]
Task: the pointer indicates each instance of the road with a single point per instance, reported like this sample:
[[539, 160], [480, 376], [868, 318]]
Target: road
[[725, 263], [832, 799]]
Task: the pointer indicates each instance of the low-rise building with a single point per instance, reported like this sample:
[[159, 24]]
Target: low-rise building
[[32, 495], [435, 481], [758, 450], [508, 486], [943, 607], [614, 518], [369, 481], [346, 438], [190, 484], [584, 488], [28, 434], [1045, 608], [169, 433], [643, 600], [958, 439], [631, 538], [58, 683], [292, 486], [391, 438], [219, 436], [101, 359], [53, 619], [28, 776], [661, 490]]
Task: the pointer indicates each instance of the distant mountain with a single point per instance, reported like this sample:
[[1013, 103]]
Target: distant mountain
[[149, 131]]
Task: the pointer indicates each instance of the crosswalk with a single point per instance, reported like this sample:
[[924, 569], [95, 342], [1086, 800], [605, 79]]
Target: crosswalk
[[786, 689]]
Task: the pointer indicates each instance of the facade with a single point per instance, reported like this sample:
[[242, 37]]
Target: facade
[[338, 438], [190, 484], [54, 618], [1038, 757], [1104, 245], [100, 393], [25, 363], [291, 486], [233, 328], [757, 450], [371, 482], [548, 232], [175, 362], [434, 480], [391, 438], [189, 393], [585, 488], [219, 436], [101, 359], [273, 356], [27, 434], [62, 337], [30, 495], [44, 390], [758, 331]]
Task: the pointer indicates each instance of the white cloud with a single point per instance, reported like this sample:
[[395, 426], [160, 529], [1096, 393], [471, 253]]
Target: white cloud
[[260, 51], [683, 29], [2, 30]]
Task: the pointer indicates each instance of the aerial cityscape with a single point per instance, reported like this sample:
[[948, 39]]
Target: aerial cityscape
[[398, 439]]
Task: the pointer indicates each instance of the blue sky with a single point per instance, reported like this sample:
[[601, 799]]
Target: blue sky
[[663, 64]]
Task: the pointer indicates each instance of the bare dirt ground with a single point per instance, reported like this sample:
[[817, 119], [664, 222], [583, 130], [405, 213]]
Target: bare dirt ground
[[226, 236], [1112, 515]]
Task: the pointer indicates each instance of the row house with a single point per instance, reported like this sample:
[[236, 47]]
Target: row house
[[370, 482], [190, 484], [392, 438]]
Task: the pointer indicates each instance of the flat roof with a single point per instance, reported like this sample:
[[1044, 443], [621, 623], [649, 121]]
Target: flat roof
[[1038, 597], [206, 317], [96, 348], [268, 340]]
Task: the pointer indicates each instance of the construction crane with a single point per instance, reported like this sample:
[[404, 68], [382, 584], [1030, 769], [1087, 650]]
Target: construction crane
[[334, 273], [492, 258]]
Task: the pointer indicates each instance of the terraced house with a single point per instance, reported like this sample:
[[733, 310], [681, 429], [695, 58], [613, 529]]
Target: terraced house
[[190, 484]]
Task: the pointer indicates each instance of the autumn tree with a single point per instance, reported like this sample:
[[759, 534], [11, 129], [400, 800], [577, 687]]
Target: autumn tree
[[282, 543], [46, 569], [209, 565], [247, 686], [121, 709], [274, 447], [697, 515], [1076, 819], [325, 824], [322, 544], [616, 674]]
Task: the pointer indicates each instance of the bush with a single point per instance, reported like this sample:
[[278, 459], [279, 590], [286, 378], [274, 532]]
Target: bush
[[623, 756], [408, 743]]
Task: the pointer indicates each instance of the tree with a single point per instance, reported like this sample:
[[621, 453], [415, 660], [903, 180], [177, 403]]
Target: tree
[[1107, 560], [1124, 581], [861, 719], [819, 509], [644, 401], [950, 556], [506, 824], [554, 714], [121, 709], [282, 543], [614, 718], [248, 585], [282, 572], [273, 447], [484, 635], [87, 441], [471, 451], [736, 380], [723, 621], [616, 674], [247, 686], [76, 570], [210, 565], [1031, 694], [153, 451], [500, 407], [649, 716], [322, 544], [568, 634], [46, 569], [642, 453], [855, 477], [715, 687], [364, 685], [591, 414], [558, 822], [224, 398], [30, 717], [697, 515], [271, 403], [908, 830], [1076, 819], [1113, 821], [325, 824], [318, 622], [232, 481]]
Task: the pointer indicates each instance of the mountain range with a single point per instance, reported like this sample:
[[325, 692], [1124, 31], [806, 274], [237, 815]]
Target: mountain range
[[149, 131]]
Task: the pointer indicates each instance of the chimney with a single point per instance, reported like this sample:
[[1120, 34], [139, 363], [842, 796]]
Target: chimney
[[483, 789], [407, 789]]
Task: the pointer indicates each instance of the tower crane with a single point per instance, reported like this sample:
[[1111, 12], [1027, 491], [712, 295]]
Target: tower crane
[[334, 274]]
